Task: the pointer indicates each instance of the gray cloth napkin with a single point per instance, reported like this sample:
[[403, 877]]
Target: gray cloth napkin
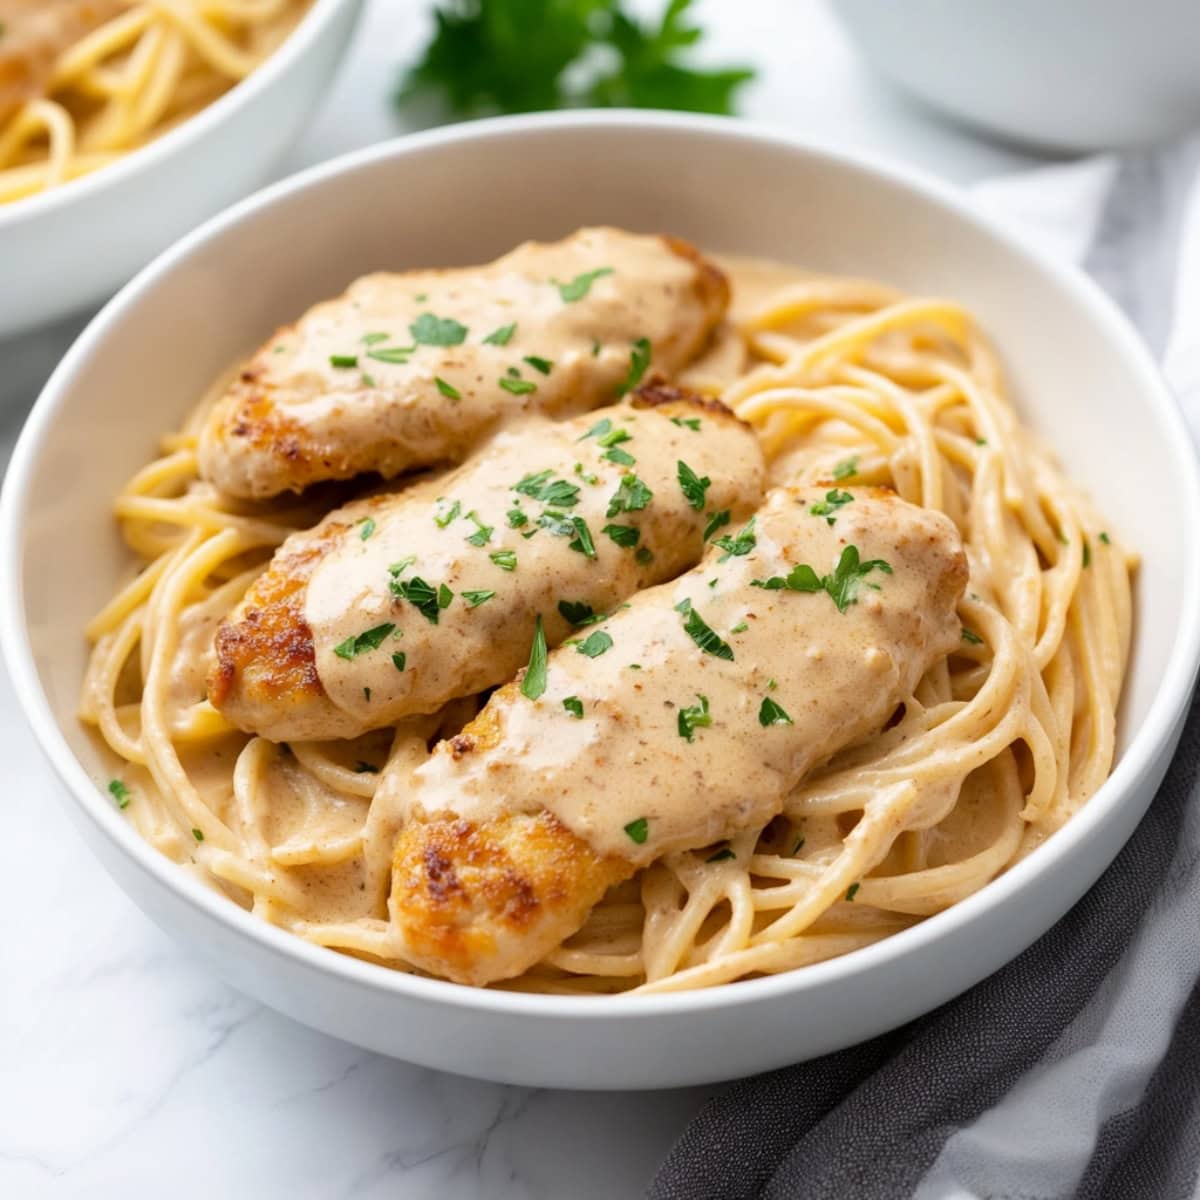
[[1075, 1070]]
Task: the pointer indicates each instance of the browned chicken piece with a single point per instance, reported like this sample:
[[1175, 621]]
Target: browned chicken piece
[[33, 33], [409, 370], [398, 603], [796, 636]]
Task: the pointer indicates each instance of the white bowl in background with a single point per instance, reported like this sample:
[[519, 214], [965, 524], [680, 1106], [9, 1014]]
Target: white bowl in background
[[74, 245], [463, 195], [1074, 75]]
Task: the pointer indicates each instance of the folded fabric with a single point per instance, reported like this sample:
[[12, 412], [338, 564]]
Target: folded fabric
[[1075, 1070]]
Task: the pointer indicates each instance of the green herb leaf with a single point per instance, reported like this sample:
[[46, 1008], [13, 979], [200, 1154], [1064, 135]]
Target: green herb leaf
[[373, 339], [692, 485], [622, 457], [368, 528], [421, 595], [574, 706], [343, 360], [578, 614], [119, 792], [518, 387], [447, 389], [198, 834], [843, 585], [638, 830], [639, 361], [1105, 539], [482, 534], [475, 599], [542, 365], [969, 635], [391, 354], [716, 521], [398, 568], [852, 890], [770, 713], [399, 659], [692, 423], [501, 336], [506, 560], [737, 546], [601, 427], [624, 535], [365, 768], [428, 330], [828, 507], [595, 644], [533, 684], [586, 476], [701, 633], [441, 520], [694, 717], [579, 287], [370, 639], [846, 469], [644, 555], [516, 518], [721, 855], [632, 495], [582, 542]]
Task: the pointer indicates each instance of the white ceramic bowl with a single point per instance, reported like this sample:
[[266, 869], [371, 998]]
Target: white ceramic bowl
[[460, 196], [75, 245], [1055, 74]]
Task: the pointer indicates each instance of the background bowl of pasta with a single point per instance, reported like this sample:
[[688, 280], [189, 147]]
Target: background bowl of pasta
[[124, 125], [1077, 375]]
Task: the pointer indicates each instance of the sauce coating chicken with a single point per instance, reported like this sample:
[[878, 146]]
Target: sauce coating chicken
[[797, 635], [33, 33], [409, 370], [398, 603]]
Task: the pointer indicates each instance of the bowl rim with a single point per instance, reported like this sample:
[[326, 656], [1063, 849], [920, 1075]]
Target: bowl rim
[[1139, 762], [310, 28]]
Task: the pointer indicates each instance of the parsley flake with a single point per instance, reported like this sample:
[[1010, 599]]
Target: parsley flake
[[828, 507], [482, 534], [846, 469], [577, 613], [702, 634], [716, 521], [506, 560], [631, 495], [542, 365], [692, 485], [770, 713], [842, 583], [582, 542], [695, 716], [852, 890], [595, 644], [428, 330], [969, 635], [574, 706], [476, 598], [370, 639], [368, 528], [639, 361], [399, 659], [442, 519], [447, 390], [624, 535], [638, 830], [579, 287], [119, 792], [721, 855], [533, 684], [692, 423], [343, 360], [501, 336], [737, 546], [518, 387]]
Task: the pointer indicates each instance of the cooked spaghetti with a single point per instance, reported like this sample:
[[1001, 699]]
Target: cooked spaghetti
[[83, 82], [846, 383]]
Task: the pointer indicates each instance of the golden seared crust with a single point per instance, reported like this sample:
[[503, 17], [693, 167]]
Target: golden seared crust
[[712, 284], [479, 901], [264, 647], [663, 395]]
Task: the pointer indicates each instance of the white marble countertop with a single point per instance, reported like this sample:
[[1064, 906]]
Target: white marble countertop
[[125, 1069]]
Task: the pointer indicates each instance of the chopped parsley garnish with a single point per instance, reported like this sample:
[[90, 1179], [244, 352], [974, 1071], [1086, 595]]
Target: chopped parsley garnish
[[542, 365], [601, 427], [343, 360], [119, 792], [614, 437], [368, 528], [644, 555], [557, 523], [582, 542], [516, 518], [399, 659], [595, 347], [198, 834], [624, 535], [692, 485], [852, 890], [1105, 539], [1087, 553], [639, 360], [367, 694], [428, 330], [426, 599], [701, 633], [969, 635], [721, 855], [506, 560], [518, 387], [475, 599], [828, 507], [595, 644], [373, 339], [981, 441], [574, 706], [586, 476], [846, 469], [638, 830], [716, 521], [770, 713], [501, 336], [631, 495], [365, 768], [740, 627], [441, 520], [391, 354], [798, 846], [445, 595], [692, 423], [579, 287], [557, 492], [368, 380], [534, 682], [447, 390], [842, 583], [622, 458], [695, 716], [578, 613], [370, 639], [482, 534], [398, 568], [737, 546]]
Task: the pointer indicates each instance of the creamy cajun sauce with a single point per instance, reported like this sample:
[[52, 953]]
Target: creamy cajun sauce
[[361, 383], [586, 511], [796, 680]]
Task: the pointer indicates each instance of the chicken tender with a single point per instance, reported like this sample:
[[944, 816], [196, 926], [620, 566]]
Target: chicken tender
[[409, 370]]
